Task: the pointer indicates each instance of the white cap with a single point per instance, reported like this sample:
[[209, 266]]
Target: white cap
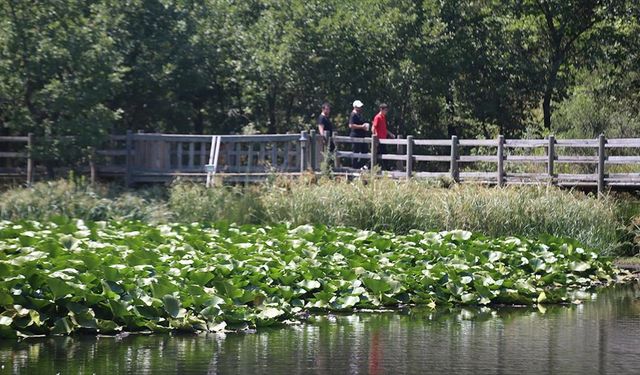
[[357, 104]]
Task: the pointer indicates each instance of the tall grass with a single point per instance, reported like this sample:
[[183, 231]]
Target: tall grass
[[396, 206], [78, 199], [400, 206]]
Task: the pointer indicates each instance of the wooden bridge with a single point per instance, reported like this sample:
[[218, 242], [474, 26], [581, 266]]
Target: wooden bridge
[[143, 157]]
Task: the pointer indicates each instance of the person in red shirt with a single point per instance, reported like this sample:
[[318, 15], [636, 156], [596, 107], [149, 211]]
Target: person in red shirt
[[379, 128]]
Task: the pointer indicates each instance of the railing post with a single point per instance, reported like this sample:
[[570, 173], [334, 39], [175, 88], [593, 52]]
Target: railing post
[[409, 168], [127, 178], [29, 159], [552, 157], [335, 152], [304, 138], [92, 166], [601, 158], [374, 151], [399, 151], [455, 173], [501, 160], [313, 143]]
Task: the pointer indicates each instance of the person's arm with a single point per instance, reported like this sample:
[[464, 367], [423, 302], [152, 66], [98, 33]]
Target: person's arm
[[390, 134], [374, 126]]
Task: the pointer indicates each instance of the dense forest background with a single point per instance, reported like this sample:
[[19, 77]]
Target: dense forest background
[[473, 68]]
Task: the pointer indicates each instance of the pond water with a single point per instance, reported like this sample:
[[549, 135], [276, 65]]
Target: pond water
[[598, 337]]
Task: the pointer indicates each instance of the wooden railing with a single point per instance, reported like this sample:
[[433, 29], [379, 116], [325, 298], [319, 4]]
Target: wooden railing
[[17, 164], [143, 157]]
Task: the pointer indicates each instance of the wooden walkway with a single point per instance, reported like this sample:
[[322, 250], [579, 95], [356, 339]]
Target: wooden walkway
[[143, 157]]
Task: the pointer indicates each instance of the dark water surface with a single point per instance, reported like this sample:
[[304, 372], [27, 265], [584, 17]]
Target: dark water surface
[[597, 337]]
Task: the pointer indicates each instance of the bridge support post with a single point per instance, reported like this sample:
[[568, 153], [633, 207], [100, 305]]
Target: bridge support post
[[29, 159], [313, 143], [601, 159], [455, 172], [304, 138], [374, 151], [129, 162], [551, 150], [409, 169], [500, 176]]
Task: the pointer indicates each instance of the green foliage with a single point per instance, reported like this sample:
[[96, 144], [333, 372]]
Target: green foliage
[[67, 276], [84, 69]]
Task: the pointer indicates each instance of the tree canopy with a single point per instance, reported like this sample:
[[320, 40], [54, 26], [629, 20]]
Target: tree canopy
[[471, 68]]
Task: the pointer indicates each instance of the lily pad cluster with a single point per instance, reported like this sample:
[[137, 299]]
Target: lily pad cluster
[[66, 276]]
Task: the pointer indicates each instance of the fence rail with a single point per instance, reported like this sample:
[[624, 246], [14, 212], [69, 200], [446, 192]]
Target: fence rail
[[142, 157]]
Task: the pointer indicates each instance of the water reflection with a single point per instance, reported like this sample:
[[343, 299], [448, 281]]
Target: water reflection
[[602, 336]]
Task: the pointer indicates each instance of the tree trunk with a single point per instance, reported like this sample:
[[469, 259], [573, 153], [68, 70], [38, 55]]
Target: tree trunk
[[271, 109], [548, 90]]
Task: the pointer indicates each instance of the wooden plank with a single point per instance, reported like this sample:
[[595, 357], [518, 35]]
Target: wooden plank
[[111, 152], [622, 160], [192, 149], [409, 164], [9, 155], [539, 176], [354, 155], [486, 176], [341, 139], [477, 158], [525, 159], [601, 167], [577, 177], [525, 143], [285, 162], [374, 151], [261, 154], [203, 153], [431, 174], [500, 166], [551, 156], [397, 141], [576, 159], [478, 142], [615, 176], [30, 161], [395, 157], [179, 153], [577, 143], [432, 142], [439, 158], [274, 155], [16, 139], [455, 172]]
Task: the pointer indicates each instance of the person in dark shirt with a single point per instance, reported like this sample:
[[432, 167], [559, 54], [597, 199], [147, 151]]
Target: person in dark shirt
[[325, 127], [358, 128]]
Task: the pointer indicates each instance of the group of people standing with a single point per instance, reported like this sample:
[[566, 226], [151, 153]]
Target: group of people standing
[[358, 128]]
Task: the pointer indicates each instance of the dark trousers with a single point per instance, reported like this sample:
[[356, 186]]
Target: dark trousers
[[360, 148], [382, 149]]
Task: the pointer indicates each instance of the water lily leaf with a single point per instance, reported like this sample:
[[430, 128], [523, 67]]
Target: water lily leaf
[[270, 313], [63, 326], [309, 284], [347, 302], [172, 306], [377, 286], [541, 297], [578, 266]]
